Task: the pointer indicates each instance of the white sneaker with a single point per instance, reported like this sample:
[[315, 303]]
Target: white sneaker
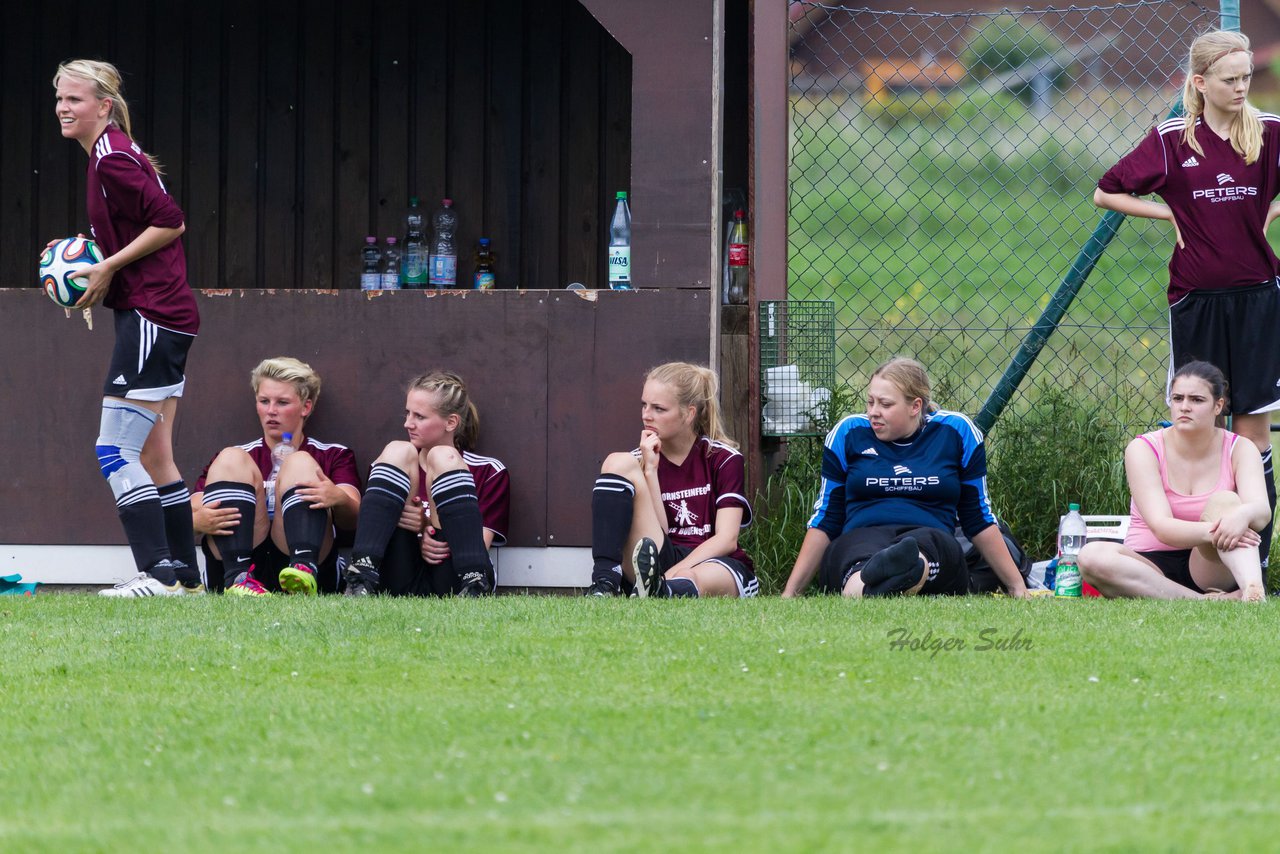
[[143, 585]]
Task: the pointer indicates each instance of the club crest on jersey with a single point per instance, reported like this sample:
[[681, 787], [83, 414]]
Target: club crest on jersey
[[1189, 162], [683, 515]]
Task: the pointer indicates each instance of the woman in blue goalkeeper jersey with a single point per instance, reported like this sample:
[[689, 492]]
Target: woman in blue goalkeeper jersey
[[895, 484]]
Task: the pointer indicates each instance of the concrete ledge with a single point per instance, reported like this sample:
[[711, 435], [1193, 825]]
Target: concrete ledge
[[104, 565]]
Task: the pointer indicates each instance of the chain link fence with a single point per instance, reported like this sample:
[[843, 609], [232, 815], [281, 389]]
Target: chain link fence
[[942, 169]]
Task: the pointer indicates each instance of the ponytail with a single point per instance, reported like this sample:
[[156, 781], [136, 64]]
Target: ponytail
[[696, 386]]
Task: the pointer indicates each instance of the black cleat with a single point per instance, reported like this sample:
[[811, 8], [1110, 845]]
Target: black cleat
[[648, 570], [474, 584], [361, 577], [600, 587]]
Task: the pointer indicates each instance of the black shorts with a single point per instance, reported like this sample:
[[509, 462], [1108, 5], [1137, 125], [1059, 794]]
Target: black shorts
[[1233, 329], [743, 576], [1175, 565], [149, 362], [403, 572], [267, 563], [948, 573]]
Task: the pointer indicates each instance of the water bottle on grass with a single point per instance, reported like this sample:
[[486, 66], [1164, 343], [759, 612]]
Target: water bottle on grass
[[1071, 536]]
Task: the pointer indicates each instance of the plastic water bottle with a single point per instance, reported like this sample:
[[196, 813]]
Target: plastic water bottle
[[283, 449], [739, 260], [391, 266], [1072, 533], [443, 264], [484, 261], [413, 270], [620, 246], [371, 269]]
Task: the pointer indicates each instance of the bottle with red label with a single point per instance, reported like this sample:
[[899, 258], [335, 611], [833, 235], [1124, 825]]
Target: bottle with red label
[[739, 261]]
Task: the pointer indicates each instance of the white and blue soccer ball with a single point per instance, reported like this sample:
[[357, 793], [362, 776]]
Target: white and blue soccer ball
[[60, 261]]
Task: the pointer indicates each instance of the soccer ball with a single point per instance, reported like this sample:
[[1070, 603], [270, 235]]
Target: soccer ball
[[62, 259]]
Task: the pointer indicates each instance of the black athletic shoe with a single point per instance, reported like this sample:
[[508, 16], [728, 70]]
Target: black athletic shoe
[[600, 587], [362, 579], [644, 557], [474, 584]]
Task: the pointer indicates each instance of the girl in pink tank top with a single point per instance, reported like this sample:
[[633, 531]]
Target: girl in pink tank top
[[1199, 502], [1188, 508]]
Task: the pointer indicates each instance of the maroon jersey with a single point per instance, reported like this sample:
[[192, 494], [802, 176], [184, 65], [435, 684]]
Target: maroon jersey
[[711, 477], [124, 197], [1219, 202], [493, 487], [338, 462]]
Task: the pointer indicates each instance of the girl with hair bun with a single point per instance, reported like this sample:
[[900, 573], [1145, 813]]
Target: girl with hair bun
[[432, 507], [896, 482], [665, 517], [1218, 171], [143, 279]]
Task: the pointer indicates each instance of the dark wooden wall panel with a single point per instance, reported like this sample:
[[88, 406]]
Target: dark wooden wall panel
[[202, 157], [289, 131], [241, 221], [354, 211], [19, 240], [556, 376], [281, 143], [540, 258], [504, 141], [316, 107]]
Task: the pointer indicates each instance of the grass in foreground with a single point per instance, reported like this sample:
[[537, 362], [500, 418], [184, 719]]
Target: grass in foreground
[[546, 723]]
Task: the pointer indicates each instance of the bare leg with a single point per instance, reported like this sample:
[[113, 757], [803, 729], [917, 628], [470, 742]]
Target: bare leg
[[1119, 571], [1242, 563], [712, 578]]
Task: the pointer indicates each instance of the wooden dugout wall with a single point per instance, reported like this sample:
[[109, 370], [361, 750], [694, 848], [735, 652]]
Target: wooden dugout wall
[[291, 130], [251, 108]]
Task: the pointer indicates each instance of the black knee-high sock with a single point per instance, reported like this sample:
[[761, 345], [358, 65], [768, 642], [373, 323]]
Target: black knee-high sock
[[454, 496], [385, 495], [612, 501], [236, 548], [304, 528], [143, 521], [680, 588], [178, 530], [1269, 476]]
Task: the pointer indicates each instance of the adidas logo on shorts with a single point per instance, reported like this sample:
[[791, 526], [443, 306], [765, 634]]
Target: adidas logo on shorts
[[1190, 161], [120, 380]]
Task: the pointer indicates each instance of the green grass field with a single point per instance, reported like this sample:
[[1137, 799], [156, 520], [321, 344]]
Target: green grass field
[[563, 724]]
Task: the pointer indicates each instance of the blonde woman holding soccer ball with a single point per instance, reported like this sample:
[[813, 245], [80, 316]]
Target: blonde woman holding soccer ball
[[143, 279]]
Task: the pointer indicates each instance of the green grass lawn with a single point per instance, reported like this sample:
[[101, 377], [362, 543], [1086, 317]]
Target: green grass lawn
[[552, 723]]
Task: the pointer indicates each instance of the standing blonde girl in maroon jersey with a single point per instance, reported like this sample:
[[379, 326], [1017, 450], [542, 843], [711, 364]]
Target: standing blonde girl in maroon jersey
[[143, 279], [1218, 172], [676, 503]]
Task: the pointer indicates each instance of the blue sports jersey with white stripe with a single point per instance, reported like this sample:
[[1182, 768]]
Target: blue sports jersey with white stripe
[[933, 479]]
